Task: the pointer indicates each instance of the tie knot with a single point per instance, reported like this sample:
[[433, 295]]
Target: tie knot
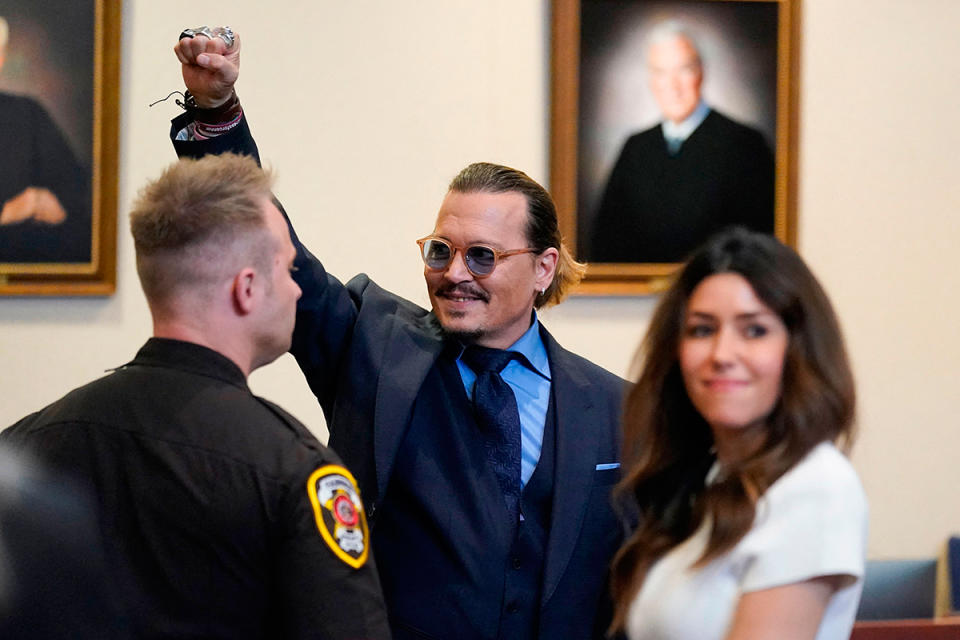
[[482, 359]]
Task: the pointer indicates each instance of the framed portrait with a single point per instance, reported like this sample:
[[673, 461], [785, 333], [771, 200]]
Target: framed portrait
[[59, 109], [670, 120]]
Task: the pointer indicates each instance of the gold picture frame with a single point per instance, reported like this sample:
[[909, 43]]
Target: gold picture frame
[[583, 146]]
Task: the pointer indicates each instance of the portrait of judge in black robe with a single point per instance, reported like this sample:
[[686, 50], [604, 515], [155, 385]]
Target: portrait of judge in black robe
[[45, 197], [696, 171]]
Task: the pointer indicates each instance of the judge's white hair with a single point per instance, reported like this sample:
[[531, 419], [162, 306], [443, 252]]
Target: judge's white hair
[[670, 29]]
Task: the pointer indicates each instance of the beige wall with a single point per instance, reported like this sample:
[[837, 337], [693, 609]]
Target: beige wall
[[367, 109]]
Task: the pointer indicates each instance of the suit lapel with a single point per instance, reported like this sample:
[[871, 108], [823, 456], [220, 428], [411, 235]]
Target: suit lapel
[[410, 352], [575, 461]]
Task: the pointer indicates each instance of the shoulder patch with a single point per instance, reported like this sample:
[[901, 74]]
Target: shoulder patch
[[339, 513]]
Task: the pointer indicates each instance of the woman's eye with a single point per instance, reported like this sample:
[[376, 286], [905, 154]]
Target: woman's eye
[[699, 330], [755, 331]]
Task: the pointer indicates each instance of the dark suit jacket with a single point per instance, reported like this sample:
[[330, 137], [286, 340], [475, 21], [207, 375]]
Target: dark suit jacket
[[365, 353], [659, 208]]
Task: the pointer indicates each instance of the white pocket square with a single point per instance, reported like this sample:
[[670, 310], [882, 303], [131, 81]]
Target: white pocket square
[[608, 465]]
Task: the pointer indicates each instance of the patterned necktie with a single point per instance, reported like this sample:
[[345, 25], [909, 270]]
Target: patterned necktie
[[496, 408]]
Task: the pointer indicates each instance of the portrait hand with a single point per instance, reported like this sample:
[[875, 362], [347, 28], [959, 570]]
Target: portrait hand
[[48, 208], [209, 68], [33, 202]]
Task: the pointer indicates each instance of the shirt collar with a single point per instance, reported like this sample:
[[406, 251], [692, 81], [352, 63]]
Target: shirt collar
[[188, 356], [531, 346], [682, 131]]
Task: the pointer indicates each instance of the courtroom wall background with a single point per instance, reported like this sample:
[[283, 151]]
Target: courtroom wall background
[[366, 110]]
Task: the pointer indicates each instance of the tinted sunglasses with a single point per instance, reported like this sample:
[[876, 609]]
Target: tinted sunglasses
[[480, 259]]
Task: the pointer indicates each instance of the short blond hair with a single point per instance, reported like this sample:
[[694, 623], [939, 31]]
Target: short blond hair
[[198, 222]]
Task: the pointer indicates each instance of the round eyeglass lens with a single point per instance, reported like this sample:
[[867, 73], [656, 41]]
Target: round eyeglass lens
[[436, 254], [481, 259]]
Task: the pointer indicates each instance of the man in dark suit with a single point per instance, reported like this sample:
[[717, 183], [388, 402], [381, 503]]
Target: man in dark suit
[[679, 182], [458, 556]]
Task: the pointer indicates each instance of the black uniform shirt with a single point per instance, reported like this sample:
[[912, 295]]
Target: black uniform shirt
[[223, 516]]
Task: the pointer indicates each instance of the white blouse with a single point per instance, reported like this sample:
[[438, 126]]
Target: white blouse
[[811, 522]]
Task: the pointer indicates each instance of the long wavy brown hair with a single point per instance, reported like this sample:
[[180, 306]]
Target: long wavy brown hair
[[663, 497]]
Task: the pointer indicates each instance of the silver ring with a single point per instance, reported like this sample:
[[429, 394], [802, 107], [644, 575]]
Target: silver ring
[[225, 33], [199, 31]]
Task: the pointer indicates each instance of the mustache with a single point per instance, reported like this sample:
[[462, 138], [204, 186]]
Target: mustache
[[463, 290]]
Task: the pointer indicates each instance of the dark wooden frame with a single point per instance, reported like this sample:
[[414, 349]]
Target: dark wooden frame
[[645, 278], [98, 276], [935, 629]]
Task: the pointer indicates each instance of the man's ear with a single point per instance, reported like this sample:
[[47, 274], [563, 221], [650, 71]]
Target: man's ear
[[244, 290], [546, 265]]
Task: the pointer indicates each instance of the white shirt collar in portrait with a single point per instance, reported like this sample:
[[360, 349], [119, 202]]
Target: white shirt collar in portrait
[[682, 131]]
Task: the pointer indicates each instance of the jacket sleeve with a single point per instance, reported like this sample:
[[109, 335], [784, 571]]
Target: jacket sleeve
[[324, 567], [326, 313]]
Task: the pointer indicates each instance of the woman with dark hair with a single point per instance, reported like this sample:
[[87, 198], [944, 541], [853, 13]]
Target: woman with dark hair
[[747, 521]]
